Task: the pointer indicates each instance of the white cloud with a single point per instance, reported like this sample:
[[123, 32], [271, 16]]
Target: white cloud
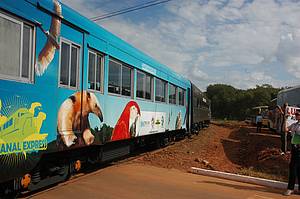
[[244, 34], [85, 7], [247, 80], [199, 74], [289, 52], [192, 37]]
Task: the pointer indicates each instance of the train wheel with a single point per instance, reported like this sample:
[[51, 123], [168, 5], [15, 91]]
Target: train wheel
[[59, 173], [165, 141], [158, 142]]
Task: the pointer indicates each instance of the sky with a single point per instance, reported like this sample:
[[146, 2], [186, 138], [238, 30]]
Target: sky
[[242, 43]]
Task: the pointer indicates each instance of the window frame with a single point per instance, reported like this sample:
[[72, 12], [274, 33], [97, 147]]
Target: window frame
[[78, 46], [166, 91], [183, 90], [122, 64], [131, 80], [184, 97], [96, 53], [176, 94], [144, 86], [32, 56]]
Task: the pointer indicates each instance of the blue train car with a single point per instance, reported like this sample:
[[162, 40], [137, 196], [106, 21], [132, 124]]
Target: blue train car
[[72, 92], [70, 88]]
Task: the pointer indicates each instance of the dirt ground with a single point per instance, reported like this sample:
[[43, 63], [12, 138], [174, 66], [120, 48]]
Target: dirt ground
[[233, 147], [136, 181]]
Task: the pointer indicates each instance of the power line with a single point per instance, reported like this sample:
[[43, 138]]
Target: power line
[[130, 9], [122, 10]]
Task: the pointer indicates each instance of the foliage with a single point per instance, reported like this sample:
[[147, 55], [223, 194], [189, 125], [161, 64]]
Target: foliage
[[104, 134], [228, 102]]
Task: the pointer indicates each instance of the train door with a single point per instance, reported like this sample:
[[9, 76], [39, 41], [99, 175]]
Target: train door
[[188, 110], [93, 87], [70, 95]]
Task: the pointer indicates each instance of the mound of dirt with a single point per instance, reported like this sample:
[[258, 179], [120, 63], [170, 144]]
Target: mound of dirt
[[233, 147]]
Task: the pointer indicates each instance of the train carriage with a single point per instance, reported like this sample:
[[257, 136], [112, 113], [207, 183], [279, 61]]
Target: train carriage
[[73, 92], [200, 109]]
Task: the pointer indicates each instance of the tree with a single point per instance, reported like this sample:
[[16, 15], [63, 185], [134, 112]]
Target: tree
[[229, 102]]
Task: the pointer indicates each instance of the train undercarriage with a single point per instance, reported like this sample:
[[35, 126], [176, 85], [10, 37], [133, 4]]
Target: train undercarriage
[[54, 168]]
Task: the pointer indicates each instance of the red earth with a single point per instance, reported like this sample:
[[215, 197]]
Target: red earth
[[229, 146]]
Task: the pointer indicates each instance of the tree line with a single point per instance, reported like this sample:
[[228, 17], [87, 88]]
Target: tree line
[[231, 103]]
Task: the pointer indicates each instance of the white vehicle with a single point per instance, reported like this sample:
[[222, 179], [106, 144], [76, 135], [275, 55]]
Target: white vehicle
[[290, 96], [290, 112]]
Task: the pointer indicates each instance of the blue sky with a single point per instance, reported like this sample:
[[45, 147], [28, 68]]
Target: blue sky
[[243, 43]]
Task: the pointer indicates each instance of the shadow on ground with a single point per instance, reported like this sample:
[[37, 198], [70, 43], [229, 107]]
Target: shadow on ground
[[257, 153]]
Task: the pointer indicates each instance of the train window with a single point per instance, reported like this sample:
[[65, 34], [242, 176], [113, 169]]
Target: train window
[[65, 59], [126, 81], [160, 90], [119, 78], [181, 94], [16, 56], [114, 77], [144, 85], [172, 94], [184, 98], [148, 89], [95, 80], [74, 66], [69, 64], [26, 51], [140, 84]]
